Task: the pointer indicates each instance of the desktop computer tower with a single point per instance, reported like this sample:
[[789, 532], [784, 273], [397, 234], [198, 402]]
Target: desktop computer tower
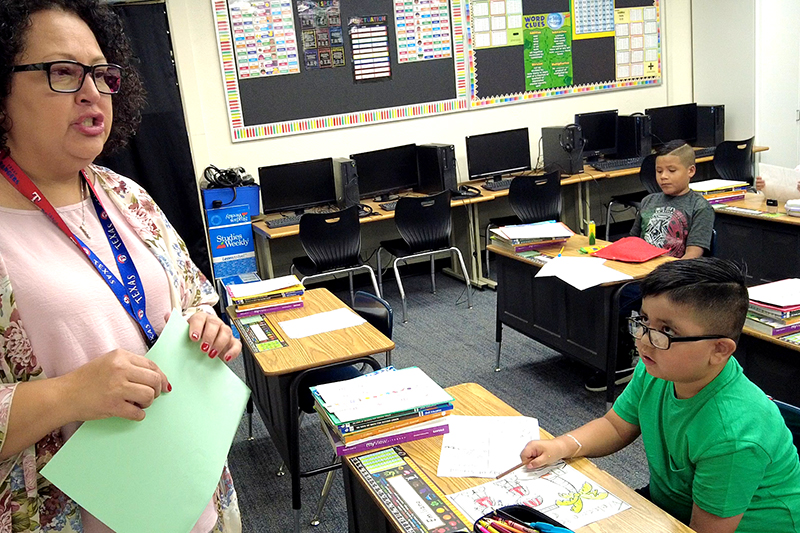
[[710, 125], [562, 149], [437, 168], [634, 136], [345, 179]]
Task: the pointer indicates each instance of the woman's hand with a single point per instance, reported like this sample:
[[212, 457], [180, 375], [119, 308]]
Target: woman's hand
[[214, 336], [119, 383], [539, 453], [760, 183]]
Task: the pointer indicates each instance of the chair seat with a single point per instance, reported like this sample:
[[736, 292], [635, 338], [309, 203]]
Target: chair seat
[[306, 267], [399, 248], [505, 221], [633, 199]]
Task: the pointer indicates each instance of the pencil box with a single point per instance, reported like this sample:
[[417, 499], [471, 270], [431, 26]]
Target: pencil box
[[522, 513]]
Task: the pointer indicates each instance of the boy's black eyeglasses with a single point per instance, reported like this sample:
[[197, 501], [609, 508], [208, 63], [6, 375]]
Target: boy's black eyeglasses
[[659, 339], [67, 76]]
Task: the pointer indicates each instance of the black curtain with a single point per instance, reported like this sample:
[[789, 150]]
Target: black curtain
[[158, 157]]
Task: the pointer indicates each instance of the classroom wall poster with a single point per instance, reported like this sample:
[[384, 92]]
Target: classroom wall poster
[[423, 30], [548, 51], [264, 39], [592, 18], [496, 23], [636, 42], [369, 39], [321, 31]]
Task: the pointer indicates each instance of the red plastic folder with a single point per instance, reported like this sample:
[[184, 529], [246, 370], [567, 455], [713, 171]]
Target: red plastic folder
[[630, 250]]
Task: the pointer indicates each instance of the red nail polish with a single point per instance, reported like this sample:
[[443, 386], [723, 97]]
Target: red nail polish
[[195, 336], [227, 358], [169, 387], [205, 346], [213, 353]]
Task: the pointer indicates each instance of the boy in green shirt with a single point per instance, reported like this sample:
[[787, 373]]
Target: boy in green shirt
[[720, 455]]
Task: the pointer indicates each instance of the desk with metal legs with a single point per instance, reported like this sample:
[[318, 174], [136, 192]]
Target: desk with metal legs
[[580, 324], [274, 375]]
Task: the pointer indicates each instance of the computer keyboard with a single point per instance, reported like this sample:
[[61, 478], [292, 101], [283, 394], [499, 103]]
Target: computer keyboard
[[388, 206], [607, 165], [283, 222], [497, 185], [705, 151]]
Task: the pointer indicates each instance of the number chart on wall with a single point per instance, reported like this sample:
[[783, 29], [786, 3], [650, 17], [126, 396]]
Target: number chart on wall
[[296, 66]]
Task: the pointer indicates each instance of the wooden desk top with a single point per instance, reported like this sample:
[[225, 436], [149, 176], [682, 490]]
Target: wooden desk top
[[321, 349], [759, 203], [472, 399], [571, 249], [769, 338], [260, 226]]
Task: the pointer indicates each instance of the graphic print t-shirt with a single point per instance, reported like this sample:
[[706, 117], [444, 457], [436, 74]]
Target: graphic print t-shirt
[[675, 222]]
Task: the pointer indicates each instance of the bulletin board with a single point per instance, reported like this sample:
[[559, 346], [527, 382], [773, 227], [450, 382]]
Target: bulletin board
[[297, 66]]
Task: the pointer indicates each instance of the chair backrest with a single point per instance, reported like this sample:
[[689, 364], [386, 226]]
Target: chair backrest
[[791, 415], [374, 310], [733, 160], [332, 240], [424, 221], [648, 176], [536, 198], [712, 247]]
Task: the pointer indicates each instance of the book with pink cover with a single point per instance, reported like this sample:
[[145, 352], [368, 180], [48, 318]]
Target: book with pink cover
[[630, 250]]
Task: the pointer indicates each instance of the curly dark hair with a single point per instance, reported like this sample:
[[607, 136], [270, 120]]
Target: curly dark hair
[[15, 21]]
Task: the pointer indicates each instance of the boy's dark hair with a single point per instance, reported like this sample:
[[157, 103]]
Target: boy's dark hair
[[15, 21], [680, 149], [714, 288]]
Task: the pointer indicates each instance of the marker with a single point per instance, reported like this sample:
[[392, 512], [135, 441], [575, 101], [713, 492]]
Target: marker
[[559, 252]]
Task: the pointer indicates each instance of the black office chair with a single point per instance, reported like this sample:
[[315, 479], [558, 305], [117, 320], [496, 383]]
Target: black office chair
[[648, 179], [733, 160], [533, 199], [424, 224], [332, 242], [377, 312], [791, 415], [712, 249]]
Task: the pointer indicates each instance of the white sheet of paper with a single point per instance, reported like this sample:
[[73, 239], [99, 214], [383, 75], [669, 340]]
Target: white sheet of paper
[[581, 272], [480, 9], [483, 40], [320, 323], [713, 184], [483, 24], [559, 491], [543, 230], [780, 183], [243, 290], [783, 293], [498, 23], [621, 30], [484, 446], [499, 38]]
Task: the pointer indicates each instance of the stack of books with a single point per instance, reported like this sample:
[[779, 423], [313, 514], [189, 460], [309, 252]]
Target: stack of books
[[258, 297], [775, 308], [525, 237], [381, 409], [717, 191]]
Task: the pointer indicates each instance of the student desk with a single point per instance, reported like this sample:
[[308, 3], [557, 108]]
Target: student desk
[[274, 375], [366, 514], [767, 244], [770, 363], [263, 234], [581, 324]]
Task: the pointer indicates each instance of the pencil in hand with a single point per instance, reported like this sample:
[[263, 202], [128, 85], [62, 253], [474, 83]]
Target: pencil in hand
[[511, 470]]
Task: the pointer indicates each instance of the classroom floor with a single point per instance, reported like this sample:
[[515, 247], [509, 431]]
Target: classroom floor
[[453, 344]]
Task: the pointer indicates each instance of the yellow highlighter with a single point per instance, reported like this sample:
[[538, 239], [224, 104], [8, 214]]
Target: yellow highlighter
[[559, 252]]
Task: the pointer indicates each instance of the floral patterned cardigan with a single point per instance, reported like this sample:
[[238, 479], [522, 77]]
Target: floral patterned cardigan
[[28, 502]]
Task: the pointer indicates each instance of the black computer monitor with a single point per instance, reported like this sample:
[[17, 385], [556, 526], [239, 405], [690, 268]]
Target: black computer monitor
[[297, 186], [673, 122], [599, 130], [491, 155], [383, 173]]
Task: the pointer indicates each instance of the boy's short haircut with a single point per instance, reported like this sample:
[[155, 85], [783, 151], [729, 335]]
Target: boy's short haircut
[[681, 150], [714, 288]]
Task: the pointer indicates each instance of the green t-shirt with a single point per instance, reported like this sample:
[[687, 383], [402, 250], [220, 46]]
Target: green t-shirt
[[727, 449]]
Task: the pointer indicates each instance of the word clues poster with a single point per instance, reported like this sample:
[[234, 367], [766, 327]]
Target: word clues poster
[[548, 51], [264, 39]]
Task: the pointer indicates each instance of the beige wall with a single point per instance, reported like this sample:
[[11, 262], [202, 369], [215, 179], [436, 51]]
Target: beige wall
[[199, 73]]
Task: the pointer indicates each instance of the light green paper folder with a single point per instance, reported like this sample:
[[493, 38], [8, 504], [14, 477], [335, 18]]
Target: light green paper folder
[[158, 474]]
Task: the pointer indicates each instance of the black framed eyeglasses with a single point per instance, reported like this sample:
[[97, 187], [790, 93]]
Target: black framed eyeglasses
[[637, 328], [67, 76]]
